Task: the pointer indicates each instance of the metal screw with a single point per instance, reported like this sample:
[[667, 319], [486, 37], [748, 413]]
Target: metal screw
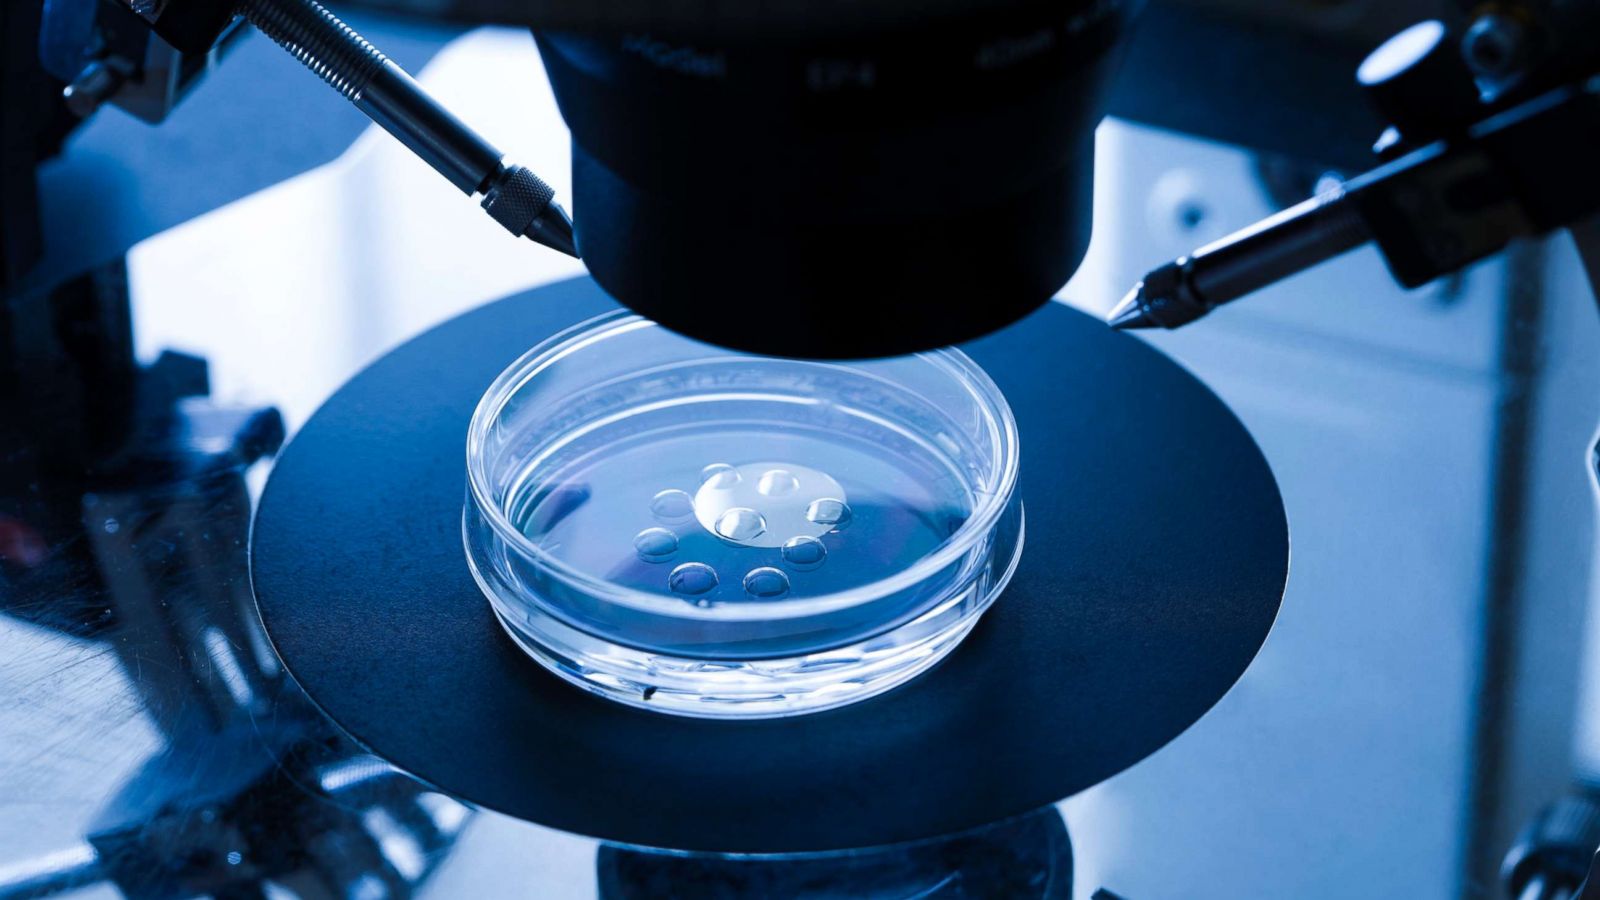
[[1493, 45], [94, 85]]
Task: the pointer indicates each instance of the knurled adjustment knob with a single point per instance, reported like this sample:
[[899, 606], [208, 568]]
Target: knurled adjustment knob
[[1420, 84], [1557, 845], [515, 197]]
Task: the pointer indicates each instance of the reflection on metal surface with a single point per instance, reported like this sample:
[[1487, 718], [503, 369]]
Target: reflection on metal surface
[[141, 679], [64, 870], [1027, 856]]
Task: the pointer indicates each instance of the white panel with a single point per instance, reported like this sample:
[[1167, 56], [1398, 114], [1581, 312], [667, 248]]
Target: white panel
[[1339, 765], [1341, 757]]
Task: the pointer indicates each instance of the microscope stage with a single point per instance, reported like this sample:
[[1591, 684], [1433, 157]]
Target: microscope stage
[[1153, 567]]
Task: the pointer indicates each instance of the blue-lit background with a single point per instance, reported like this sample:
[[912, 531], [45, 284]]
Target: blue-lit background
[[1417, 700]]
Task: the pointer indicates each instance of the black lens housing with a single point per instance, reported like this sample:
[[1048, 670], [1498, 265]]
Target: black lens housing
[[878, 195]]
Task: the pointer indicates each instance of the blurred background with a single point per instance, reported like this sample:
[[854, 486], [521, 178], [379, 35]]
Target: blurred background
[[1422, 694]]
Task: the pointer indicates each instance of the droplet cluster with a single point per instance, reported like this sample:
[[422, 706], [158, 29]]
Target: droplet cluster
[[760, 506]]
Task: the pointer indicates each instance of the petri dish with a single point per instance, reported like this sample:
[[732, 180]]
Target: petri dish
[[704, 532]]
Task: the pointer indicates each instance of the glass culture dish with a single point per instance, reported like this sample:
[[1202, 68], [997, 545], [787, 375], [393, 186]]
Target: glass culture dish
[[703, 532]]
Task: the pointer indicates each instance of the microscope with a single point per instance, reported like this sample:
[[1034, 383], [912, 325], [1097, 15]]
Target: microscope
[[842, 145]]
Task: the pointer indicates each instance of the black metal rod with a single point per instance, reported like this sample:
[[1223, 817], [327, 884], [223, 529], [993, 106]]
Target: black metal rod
[[513, 196], [378, 87], [1275, 248], [399, 106]]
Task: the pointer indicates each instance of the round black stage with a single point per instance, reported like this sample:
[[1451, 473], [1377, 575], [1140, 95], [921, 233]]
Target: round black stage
[[1154, 564]]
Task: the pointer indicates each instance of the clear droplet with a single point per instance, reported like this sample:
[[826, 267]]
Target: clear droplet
[[829, 511], [804, 553], [655, 544], [777, 483], [672, 505], [766, 583], [741, 524], [720, 476], [692, 579]]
